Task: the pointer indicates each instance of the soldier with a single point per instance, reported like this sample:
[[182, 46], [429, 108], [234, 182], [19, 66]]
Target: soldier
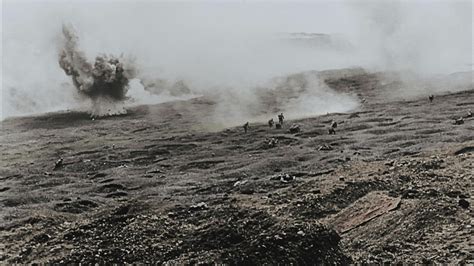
[[331, 131], [280, 118], [459, 121], [431, 97], [246, 127], [58, 164], [334, 124], [469, 114], [270, 123]]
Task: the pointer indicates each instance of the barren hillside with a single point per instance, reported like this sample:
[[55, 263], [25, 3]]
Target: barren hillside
[[395, 183]]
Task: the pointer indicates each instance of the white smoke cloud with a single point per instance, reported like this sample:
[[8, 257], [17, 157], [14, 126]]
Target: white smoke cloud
[[425, 37], [227, 47]]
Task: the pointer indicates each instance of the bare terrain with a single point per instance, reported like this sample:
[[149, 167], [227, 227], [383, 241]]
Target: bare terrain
[[394, 184]]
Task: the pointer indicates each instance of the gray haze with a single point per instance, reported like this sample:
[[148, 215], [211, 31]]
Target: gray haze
[[228, 48]]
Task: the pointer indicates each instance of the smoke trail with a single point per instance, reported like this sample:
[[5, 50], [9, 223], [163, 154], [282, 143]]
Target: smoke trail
[[105, 83]]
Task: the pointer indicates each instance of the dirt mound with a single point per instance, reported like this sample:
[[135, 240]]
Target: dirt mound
[[225, 234]]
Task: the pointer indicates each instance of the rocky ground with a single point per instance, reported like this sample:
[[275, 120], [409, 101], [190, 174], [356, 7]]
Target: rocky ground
[[394, 184]]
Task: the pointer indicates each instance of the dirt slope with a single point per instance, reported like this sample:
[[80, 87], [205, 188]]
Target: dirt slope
[[153, 186]]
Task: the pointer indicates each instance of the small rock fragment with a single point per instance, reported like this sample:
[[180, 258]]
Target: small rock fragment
[[463, 203]]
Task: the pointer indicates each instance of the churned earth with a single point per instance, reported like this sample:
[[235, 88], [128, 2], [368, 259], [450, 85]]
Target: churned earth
[[394, 184]]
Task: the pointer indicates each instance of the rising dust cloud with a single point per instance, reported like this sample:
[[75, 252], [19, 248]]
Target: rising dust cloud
[[105, 82], [124, 53]]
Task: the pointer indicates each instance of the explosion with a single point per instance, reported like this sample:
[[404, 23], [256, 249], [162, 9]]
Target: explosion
[[105, 82]]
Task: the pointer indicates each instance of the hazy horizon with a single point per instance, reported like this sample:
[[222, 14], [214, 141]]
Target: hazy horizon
[[229, 47]]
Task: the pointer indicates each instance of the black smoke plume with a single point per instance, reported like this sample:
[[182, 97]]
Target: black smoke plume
[[105, 82]]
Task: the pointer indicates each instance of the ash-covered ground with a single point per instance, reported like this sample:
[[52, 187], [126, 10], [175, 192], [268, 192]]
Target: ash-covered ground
[[394, 184]]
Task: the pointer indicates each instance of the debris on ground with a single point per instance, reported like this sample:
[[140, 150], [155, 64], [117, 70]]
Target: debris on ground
[[459, 121], [363, 210], [272, 142], [469, 114], [58, 164], [198, 207], [325, 147], [295, 128], [240, 182], [226, 235], [283, 177], [353, 115]]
